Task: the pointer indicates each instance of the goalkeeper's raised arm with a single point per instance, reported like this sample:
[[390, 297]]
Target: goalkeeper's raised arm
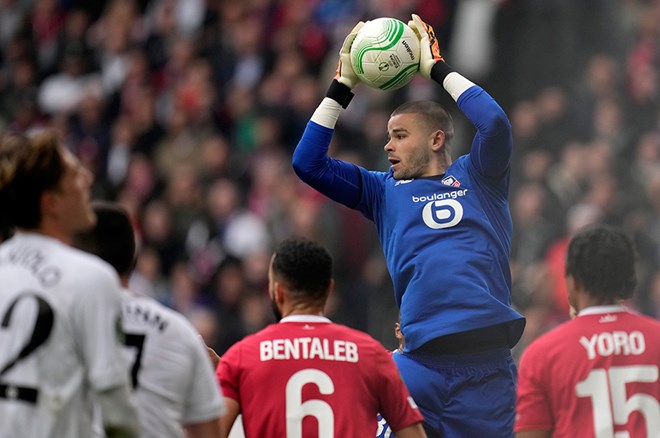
[[491, 147]]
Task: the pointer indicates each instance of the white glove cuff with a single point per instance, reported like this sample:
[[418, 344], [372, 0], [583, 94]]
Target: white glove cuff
[[455, 84], [327, 113]]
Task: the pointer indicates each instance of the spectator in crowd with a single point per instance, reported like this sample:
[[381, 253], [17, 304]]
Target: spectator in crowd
[[234, 68]]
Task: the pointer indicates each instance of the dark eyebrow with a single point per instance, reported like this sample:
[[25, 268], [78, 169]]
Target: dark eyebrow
[[396, 131]]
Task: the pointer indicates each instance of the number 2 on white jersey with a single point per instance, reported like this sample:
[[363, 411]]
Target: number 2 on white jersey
[[296, 409], [607, 390], [43, 325]]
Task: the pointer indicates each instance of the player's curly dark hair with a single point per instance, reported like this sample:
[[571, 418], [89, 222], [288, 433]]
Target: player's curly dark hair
[[28, 167], [305, 266], [602, 259]]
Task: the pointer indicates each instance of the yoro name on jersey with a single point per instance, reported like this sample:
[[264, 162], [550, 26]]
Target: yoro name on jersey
[[308, 348], [614, 343]]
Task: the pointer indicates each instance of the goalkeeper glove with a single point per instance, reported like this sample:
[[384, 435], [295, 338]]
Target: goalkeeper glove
[[428, 43], [345, 79], [345, 73]]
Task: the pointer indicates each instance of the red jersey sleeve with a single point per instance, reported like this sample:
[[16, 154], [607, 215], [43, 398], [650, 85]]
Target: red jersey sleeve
[[533, 407], [227, 373]]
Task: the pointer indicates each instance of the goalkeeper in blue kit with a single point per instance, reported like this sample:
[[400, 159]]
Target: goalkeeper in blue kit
[[445, 230]]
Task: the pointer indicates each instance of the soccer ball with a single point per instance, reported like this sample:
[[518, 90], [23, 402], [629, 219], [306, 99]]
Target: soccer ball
[[385, 53]]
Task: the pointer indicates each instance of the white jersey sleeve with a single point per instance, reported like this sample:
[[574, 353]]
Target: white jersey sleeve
[[97, 321], [204, 400]]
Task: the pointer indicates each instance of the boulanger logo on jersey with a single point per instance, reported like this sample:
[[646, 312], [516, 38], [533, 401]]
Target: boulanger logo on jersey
[[442, 210]]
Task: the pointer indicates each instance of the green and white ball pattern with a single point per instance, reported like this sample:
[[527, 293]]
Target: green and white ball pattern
[[385, 53]]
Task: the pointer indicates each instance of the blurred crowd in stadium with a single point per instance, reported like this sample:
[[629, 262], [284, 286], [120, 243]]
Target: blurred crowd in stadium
[[187, 111]]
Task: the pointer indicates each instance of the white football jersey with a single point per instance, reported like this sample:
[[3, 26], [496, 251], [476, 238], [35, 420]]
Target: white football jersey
[[59, 337], [173, 378]]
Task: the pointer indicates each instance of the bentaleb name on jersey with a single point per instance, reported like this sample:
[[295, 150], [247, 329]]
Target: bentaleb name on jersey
[[308, 348]]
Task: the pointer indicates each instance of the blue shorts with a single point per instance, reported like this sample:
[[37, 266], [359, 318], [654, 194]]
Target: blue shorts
[[463, 394]]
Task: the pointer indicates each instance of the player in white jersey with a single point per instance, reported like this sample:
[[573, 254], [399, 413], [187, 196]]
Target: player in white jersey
[[59, 307], [173, 381]]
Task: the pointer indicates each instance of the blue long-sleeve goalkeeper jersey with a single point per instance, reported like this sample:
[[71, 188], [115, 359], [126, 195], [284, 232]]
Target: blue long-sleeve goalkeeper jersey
[[446, 239]]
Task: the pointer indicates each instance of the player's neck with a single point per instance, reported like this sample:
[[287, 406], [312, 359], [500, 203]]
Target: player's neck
[[123, 280], [585, 300], [302, 310], [437, 167]]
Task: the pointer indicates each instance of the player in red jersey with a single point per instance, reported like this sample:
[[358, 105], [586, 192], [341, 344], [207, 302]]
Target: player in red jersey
[[597, 375], [306, 376]]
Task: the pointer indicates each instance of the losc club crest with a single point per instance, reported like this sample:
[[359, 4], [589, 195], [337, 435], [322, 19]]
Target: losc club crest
[[451, 181]]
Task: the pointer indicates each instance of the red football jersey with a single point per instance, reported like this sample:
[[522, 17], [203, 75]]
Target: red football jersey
[[308, 377], [594, 376]]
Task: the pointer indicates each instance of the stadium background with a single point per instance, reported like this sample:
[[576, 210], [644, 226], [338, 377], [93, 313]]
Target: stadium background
[[188, 111]]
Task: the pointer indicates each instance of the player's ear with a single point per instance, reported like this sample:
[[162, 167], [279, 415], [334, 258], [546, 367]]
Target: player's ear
[[437, 140], [329, 291], [48, 203], [278, 292], [573, 284]]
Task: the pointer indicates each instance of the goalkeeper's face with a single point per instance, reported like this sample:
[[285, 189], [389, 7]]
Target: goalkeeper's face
[[410, 148]]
